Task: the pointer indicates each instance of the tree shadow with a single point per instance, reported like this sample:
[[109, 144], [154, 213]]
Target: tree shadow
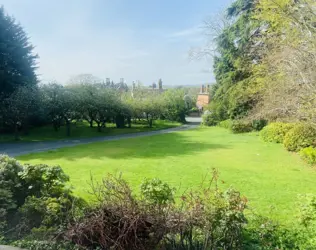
[[156, 146]]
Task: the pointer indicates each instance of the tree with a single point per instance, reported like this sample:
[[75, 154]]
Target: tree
[[61, 104], [17, 62], [107, 102], [18, 107], [147, 104], [177, 104], [87, 97], [287, 70], [232, 45]]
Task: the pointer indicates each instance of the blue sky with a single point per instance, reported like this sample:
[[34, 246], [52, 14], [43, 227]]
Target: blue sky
[[134, 39]]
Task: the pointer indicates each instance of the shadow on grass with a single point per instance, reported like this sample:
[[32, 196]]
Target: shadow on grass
[[157, 146]]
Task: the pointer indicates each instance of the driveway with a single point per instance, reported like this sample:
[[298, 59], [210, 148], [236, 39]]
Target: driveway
[[16, 149]]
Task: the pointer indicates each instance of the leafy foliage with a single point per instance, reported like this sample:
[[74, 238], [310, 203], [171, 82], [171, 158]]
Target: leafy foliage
[[47, 245], [226, 124], [309, 155], [258, 125], [300, 136], [276, 131], [209, 119], [33, 195], [176, 105], [157, 192], [18, 61], [241, 126]]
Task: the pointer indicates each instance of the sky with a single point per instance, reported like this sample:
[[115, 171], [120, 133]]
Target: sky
[[132, 39]]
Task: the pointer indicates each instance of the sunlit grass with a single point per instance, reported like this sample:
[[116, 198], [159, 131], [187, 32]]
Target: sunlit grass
[[269, 176]]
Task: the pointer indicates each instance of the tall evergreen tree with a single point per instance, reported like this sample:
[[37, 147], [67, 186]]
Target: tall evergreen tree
[[17, 60]]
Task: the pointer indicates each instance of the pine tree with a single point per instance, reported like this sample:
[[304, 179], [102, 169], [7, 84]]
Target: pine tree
[[17, 60]]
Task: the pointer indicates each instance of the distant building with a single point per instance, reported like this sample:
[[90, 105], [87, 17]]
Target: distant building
[[153, 88], [203, 98]]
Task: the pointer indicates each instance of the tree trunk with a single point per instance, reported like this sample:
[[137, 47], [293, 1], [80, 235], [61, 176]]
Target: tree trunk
[[99, 127], [91, 123], [16, 132], [129, 122], [150, 122], [68, 124]]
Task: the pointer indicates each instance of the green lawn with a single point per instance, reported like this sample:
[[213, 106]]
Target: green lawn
[[268, 175], [82, 130]]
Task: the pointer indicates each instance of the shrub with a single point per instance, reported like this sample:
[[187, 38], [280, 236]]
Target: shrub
[[47, 245], [275, 132], [206, 219], [258, 125], [226, 124], [34, 195], [240, 126], [308, 155], [300, 136], [157, 192], [209, 119]]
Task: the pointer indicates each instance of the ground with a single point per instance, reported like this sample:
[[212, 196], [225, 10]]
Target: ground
[[82, 130], [269, 176]]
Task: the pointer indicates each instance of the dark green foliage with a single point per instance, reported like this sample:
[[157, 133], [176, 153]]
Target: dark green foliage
[[308, 155], [233, 62], [33, 195], [226, 124], [241, 126], [300, 136], [276, 131], [258, 125], [209, 119], [17, 63]]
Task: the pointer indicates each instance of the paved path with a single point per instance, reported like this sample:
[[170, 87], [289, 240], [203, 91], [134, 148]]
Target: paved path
[[9, 248], [16, 149]]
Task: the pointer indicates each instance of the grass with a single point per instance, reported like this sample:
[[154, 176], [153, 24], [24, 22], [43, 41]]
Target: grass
[[82, 130], [269, 176]]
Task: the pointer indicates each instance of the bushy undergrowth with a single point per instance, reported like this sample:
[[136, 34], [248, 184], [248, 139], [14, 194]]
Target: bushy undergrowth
[[258, 125], [309, 155], [209, 120], [276, 131], [302, 135], [205, 219], [46, 245], [241, 126], [225, 124], [41, 213], [32, 196]]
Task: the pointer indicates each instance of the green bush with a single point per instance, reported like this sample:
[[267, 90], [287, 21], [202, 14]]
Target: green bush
[[276, 131], [157, 192], [300, 136], [240, 126], [308, 155], [32, 196], [258, 125], [226, 124], [47, 245], [209, 120]]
